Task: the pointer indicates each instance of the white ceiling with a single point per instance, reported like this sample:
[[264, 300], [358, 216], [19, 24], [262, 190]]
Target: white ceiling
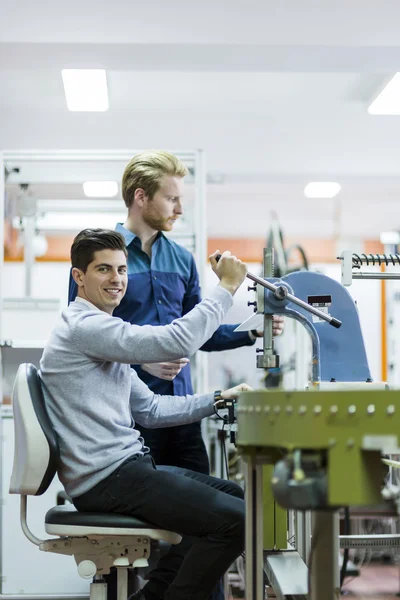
[[276, 92]]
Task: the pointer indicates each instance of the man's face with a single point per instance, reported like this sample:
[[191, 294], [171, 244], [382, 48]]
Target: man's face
[[104, 283], [161, 211]]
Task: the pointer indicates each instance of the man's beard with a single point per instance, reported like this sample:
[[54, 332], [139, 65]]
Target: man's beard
[[153, 219]]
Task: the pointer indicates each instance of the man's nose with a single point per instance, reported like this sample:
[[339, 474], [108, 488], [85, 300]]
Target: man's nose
[[178, 208], [115, 276]]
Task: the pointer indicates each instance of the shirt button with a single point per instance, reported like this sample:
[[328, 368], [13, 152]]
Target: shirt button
[[160, 302], [154, 277]]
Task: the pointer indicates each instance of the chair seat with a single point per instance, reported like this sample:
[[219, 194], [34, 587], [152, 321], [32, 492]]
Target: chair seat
[[65, 520]]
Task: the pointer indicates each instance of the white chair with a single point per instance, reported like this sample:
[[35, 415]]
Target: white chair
[[97, 541]]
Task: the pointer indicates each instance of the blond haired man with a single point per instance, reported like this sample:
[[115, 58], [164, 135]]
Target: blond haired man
[[164, 285]]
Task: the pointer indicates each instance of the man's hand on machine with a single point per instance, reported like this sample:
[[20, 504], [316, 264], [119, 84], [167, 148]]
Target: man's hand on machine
[[278, 325], [165, 370], [230, 271], [232, 394]]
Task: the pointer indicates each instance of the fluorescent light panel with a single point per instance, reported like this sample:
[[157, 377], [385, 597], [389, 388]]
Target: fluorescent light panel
[[322, 189], [388, 101], [100, 189], [85, 89]]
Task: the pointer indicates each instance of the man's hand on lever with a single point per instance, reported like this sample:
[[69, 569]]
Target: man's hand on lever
[[166, 370], [232, 394], [230, 270]]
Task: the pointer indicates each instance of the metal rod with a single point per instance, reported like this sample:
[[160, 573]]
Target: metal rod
[[268, 336], [295, 300], [371, 275]]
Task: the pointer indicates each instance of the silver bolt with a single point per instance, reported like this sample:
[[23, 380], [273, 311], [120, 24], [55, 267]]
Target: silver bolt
[[371, 409], [352, 409], [302, 410], [289, 410], [390, 409], [277, 410], [258, 409], [350, 443], [332, 442], [267, 409], [251, 409], [318, 409], [334, 409]]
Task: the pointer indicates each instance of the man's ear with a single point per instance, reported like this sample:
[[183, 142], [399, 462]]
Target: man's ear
[[77, 275], [139, 197]]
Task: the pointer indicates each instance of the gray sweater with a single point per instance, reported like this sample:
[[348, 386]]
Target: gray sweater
[[93, 396]]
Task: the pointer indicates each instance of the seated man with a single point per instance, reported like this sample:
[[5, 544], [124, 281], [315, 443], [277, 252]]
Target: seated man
[[94, 397]]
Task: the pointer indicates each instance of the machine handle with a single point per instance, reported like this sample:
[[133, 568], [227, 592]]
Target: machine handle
[[280, 295]]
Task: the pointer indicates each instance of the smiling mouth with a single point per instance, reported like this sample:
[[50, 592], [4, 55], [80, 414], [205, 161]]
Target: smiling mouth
[[113, 291]]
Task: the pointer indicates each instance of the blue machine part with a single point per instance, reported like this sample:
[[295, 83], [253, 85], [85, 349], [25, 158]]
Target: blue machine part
[[338, 354]]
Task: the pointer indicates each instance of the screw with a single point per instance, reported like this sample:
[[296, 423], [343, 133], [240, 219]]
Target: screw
[[371, 409], [334, 409], [352, 409]]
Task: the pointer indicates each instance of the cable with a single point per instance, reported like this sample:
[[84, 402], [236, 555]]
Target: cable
[[224, 418], [223, 444]]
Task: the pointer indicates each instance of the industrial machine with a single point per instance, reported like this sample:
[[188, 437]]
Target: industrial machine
[[314, 450]]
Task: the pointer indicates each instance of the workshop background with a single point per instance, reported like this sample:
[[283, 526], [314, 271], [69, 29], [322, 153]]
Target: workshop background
[[275, 94]]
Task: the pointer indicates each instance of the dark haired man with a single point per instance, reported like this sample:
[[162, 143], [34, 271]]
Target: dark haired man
[[93, 398]]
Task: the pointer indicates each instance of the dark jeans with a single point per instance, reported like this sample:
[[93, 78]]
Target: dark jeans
[[208, 512], [180, 446]]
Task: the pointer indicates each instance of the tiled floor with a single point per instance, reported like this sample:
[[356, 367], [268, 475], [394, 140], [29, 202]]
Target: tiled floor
[[376, 582]]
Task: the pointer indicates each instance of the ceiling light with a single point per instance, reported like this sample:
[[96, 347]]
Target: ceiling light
[[85, 89], [100, 189], [322, 189], [388, 101]]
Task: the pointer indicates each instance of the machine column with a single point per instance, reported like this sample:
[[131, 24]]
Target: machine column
[[324, 559], [254, 557]]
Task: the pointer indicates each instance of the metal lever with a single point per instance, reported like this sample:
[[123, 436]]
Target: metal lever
[[281, 293]]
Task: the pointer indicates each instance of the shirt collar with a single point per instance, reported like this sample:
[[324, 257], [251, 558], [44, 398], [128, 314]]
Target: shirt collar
[[80, 300], [129, 236]]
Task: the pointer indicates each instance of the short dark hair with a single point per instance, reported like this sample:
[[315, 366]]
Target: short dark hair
[[89, 241]]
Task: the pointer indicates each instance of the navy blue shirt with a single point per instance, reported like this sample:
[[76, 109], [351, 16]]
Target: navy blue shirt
[[160, 290]]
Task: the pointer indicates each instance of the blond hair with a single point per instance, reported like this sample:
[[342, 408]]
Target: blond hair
[[146, 170]]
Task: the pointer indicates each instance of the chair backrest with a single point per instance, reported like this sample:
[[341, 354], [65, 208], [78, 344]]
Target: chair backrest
[[35, 446]]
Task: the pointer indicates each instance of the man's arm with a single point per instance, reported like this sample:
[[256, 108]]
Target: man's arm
[[103, 337], [155, 411]]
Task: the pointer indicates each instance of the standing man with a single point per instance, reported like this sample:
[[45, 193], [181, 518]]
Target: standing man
[[163, 286]]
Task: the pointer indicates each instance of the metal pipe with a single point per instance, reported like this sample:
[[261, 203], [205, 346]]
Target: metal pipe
[[274, 288], [378, 275], [24, 525]]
